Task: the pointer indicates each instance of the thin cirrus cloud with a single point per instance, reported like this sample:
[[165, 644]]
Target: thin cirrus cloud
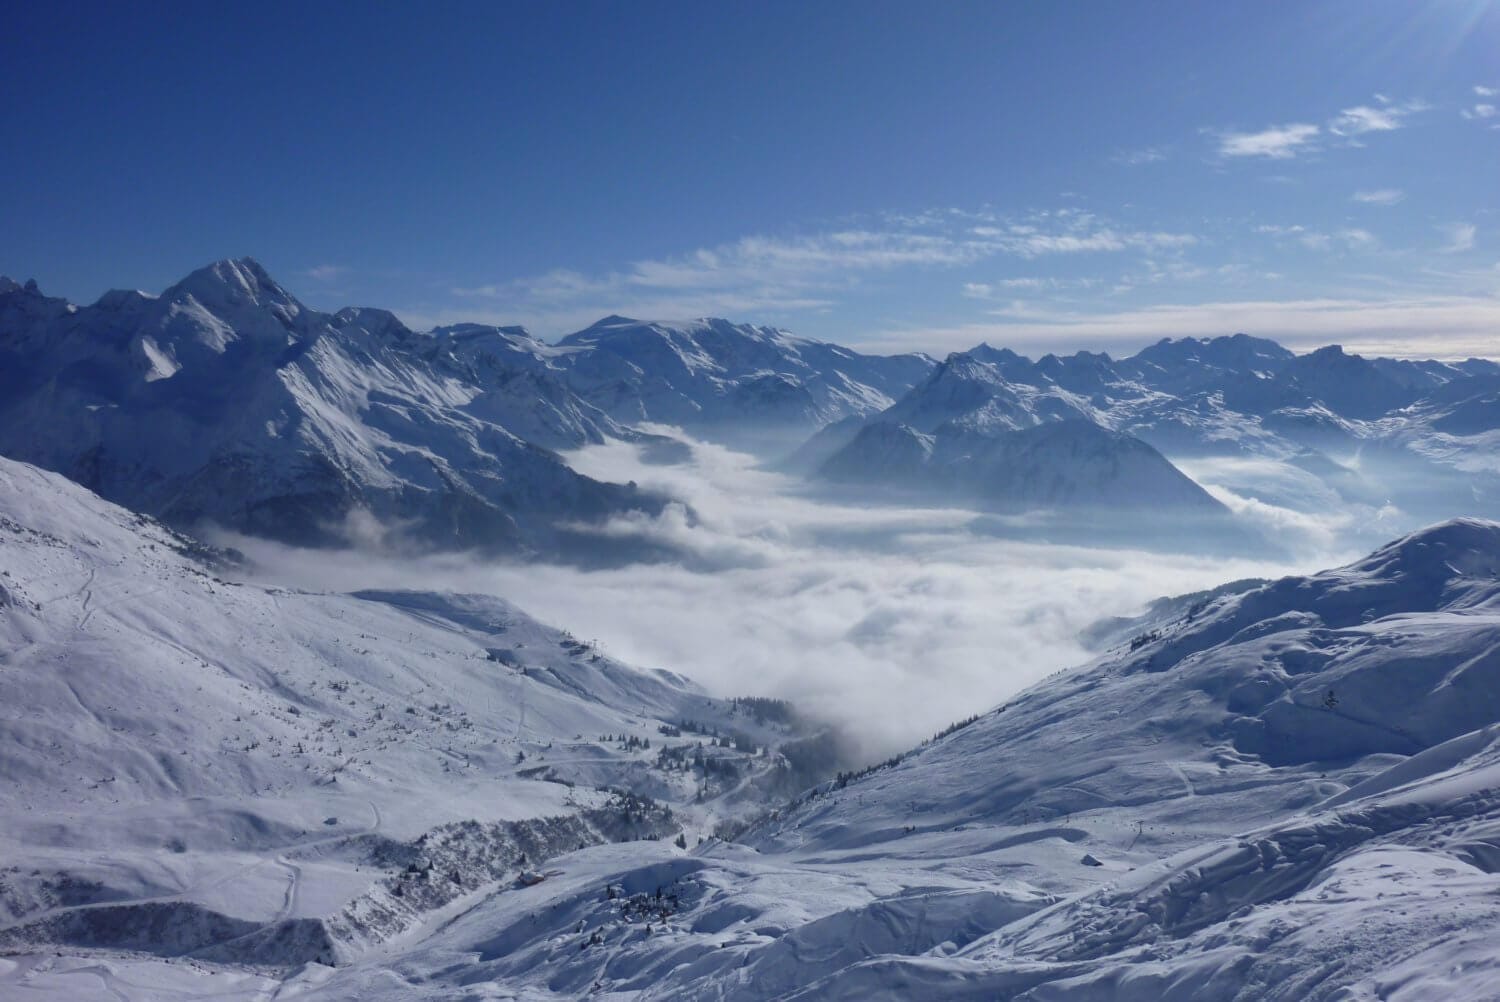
[[1030, 283], [1458, 237], [1411, 325], [1379, 196], [1350, 238], [1284, 142], [1137, 157], [327, 272], [767, 273]]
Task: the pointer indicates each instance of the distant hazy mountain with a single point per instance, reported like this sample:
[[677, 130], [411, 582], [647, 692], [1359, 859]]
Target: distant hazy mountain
[[1059, 464], [1417, 431]]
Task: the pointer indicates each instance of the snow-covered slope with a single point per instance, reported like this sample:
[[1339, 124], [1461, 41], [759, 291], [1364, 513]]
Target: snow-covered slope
[[224, 399], [199, 767], [522, 387], [738, 382], [1291, 792]]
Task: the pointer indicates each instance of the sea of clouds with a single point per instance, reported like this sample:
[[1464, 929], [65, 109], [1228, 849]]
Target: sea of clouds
[[890, 621]]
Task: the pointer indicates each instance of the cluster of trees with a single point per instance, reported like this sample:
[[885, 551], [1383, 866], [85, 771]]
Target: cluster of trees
[[629, 742], [952, 728], [765, 710], [843, 779], [692, 757], [721, 739], [635, 811]]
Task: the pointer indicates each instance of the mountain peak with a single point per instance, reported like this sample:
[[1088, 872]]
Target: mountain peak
[[235, 282], [381, 324], [472, 331], [614, 320], [9, 285], [985, 352]]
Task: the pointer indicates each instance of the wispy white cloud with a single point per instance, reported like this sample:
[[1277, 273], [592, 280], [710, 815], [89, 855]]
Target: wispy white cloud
[[1350, 238], [1482, 91], [1137, 157], [1379, 196], [1010, 286], [327, 272], [1284, 142], [782, 274], [1451, 326], [1280, 142], [1459, 237], [1481, 111], [1363, 118]]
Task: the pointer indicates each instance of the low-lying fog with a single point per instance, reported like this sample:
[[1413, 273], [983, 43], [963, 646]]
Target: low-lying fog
[[890, 621]]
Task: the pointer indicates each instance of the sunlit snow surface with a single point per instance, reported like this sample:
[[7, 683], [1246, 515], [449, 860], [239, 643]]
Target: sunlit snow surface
[[1293, 792], [187, 759], [1291, 795]]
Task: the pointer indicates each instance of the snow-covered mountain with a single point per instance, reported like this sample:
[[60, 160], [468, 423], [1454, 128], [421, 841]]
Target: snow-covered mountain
[[199, 767], [224, 399], [1072, 464], [987, 427], [1369, 431], [1290, 792], [1284, 790], [748, 385]]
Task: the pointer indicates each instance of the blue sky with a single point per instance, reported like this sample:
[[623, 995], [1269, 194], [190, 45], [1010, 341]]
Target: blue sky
[[1050, 176]]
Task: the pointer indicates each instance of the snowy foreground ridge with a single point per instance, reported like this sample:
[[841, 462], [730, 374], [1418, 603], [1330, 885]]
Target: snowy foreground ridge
[[220, 790]]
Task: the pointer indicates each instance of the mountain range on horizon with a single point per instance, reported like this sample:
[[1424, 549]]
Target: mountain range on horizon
[[225, 400]]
